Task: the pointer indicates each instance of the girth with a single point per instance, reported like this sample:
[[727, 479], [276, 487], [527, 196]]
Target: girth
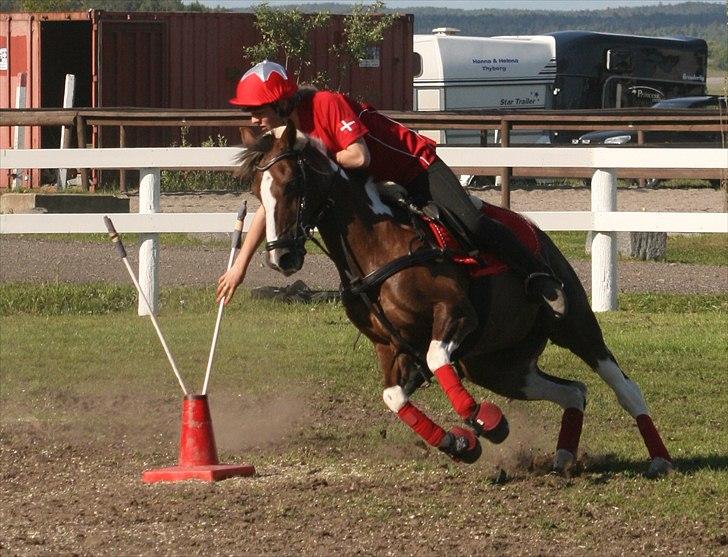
[[361, 285]]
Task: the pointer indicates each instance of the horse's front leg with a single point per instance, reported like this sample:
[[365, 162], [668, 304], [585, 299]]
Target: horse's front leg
[[460, 444], [451, 324]]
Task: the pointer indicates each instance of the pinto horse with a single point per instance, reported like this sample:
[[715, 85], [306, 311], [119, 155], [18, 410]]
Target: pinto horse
[[425, 315]]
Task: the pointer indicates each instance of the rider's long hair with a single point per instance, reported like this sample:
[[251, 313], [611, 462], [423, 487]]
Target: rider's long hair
[[285, 107]]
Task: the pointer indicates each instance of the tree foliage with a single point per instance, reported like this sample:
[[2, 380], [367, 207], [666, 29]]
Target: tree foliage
[[286, 36], [364, 27], [285, 33], [106, 5]]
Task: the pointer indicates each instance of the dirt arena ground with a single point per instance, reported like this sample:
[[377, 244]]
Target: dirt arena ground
[[71, 491]]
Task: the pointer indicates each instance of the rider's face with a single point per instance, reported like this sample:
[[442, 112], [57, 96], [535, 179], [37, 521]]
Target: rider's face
[[265, 117]]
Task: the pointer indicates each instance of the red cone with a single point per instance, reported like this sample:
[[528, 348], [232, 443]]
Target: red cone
[[197, 452]]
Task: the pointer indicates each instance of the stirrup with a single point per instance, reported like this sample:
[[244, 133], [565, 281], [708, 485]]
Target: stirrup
[[548, 290]]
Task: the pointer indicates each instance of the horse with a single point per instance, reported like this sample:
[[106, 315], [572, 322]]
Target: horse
[[425, 315]]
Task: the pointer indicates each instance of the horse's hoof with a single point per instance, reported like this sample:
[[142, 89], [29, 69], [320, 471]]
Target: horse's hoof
[[461, 445], [494, 430], [659, 467], [563, 461], [489, 422]]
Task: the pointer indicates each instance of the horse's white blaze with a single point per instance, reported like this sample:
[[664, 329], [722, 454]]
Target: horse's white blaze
[[377, 204], [439, 354], [269, 204], [628, 393], [539, 387], [395, 398]]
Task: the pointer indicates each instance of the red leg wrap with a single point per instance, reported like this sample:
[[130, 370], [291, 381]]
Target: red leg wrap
[[653, 441], [450, 383], [421, 424], [488, 416], [570, 433]]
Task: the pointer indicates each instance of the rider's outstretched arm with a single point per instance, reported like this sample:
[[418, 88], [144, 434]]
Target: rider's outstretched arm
[[233, 277]]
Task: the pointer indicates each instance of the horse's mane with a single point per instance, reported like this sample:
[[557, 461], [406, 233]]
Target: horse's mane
[[251, 156]]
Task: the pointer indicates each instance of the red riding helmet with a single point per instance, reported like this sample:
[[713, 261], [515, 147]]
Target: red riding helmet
[[264, 83]]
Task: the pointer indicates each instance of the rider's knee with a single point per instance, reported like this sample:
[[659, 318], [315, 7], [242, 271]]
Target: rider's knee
[[395, 398]]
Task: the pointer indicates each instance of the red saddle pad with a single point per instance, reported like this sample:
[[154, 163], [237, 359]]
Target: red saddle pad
[[487, 263]]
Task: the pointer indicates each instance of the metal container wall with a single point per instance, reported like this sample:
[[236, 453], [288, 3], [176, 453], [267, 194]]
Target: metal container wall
[[21, 35], [172, 60]]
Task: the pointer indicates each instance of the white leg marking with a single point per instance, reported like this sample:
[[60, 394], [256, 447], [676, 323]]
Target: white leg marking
[[376, 202], [539, 387], [394, 398], [627, 391], [439, 354]]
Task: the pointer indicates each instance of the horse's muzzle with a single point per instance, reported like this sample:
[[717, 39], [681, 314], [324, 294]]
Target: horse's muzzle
[[286, 255]]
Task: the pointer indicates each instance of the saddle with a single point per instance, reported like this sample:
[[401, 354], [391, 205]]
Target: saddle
[[450, 235], [445, 232]]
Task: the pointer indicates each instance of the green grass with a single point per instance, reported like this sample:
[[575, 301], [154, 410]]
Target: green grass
[[697, 249], [57, 351]]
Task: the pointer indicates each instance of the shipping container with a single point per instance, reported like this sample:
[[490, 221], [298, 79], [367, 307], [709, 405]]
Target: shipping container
[[167, 60]]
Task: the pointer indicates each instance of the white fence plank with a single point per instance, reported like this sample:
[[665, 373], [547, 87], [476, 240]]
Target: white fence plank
[[485, 157], [603, 218], [91, 223]]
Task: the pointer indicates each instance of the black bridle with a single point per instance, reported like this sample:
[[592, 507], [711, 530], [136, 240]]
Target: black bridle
[[306, 219]]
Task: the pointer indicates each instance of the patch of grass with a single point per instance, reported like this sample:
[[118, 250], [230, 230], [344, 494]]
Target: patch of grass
[[79, 369], [702, 249], [695, 249], [100, 298], [132, 238]]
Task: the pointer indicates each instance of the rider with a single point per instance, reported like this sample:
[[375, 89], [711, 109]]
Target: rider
[[356, 136]]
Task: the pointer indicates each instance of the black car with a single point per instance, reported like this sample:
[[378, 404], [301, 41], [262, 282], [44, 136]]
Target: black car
[[620, 137]]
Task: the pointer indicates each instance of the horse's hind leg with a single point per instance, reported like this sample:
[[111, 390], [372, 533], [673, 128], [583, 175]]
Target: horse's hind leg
[[519, 377], [581, 334], [630, 398], [460, 444]]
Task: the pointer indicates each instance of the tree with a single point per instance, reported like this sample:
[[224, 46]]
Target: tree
[[287, 31], [363, 29]]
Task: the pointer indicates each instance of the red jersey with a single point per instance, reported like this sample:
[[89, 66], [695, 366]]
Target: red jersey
[[397, 153]]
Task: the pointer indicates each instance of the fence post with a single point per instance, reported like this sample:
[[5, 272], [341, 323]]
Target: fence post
[[604, 244], [19, 131], [149, 184], [68, 94]]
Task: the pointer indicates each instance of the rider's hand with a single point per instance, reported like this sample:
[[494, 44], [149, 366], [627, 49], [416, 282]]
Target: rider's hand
[[228, 283]]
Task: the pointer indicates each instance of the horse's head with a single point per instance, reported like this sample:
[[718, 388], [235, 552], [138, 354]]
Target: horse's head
[[292, 179]]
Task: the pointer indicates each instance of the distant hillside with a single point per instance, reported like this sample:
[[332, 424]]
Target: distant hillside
[[696, 19]]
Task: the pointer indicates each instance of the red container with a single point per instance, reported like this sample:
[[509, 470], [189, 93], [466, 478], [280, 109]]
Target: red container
[[168, 60]]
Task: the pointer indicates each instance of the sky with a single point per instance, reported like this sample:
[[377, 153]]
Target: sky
[[564, 5]]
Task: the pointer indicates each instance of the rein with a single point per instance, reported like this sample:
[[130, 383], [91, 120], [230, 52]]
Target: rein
[[360, 286]]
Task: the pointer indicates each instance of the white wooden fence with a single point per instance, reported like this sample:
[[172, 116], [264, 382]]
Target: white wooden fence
[[603, 218]]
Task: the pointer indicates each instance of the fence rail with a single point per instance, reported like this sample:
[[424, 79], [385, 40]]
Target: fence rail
[[603, 219]]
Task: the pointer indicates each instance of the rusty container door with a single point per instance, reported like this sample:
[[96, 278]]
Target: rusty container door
[[19, 57], [132, 72], [41, 48]]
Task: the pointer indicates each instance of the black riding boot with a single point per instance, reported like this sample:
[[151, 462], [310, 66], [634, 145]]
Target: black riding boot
[[439, 184], [540, 282]]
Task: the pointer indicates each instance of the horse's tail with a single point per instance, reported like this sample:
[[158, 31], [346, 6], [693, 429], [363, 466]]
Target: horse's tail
[[579, 331]]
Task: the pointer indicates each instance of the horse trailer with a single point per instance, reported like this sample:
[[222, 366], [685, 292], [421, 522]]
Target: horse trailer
[[557, 71]]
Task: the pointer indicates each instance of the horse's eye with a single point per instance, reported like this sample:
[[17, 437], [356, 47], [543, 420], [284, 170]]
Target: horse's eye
[[294, 187]]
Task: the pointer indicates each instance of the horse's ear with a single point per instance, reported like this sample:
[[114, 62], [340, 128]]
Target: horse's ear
[[289, 134], [249, 134]]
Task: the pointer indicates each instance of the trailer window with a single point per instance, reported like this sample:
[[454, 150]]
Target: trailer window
[[619, 61], [416, 64]]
